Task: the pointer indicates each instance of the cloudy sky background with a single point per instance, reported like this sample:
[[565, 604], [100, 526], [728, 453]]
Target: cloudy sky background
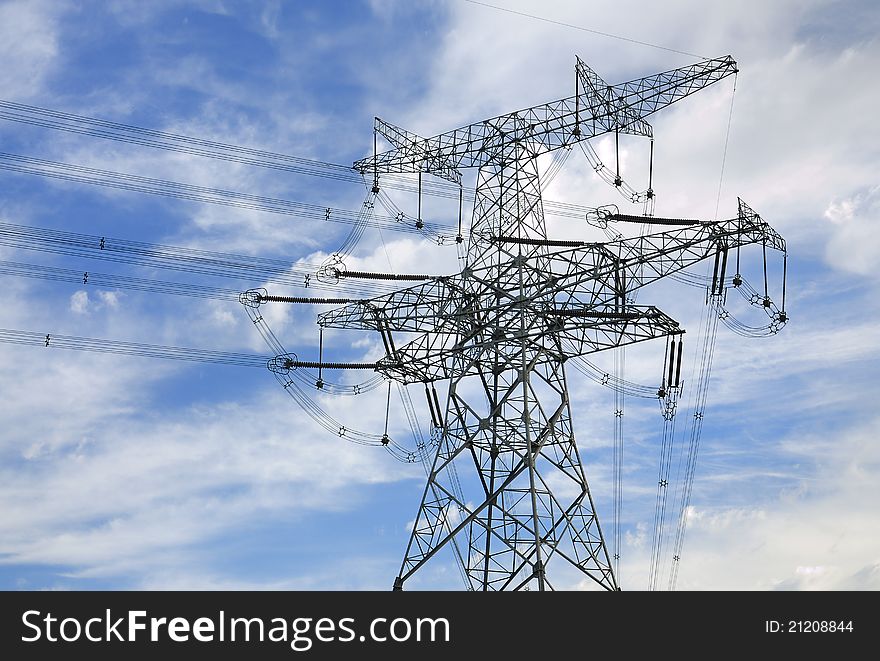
[[125, 472]]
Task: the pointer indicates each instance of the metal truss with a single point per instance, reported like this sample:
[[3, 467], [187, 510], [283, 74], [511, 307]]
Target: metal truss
[[507, 485]]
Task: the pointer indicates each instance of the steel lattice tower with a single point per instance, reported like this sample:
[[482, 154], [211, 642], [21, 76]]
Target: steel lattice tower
[[507, 489]]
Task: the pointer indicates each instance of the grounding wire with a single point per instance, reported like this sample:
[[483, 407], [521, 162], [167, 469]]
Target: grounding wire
[[584, 29], [726, 143]]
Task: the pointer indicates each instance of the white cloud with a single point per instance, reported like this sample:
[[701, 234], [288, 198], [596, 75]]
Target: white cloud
[[28, 45], [795, 532], [79, 302], [854, 245], [109, 299], [129, 496], [812, 539]]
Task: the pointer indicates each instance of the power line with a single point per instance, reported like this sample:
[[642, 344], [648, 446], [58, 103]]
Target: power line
[[101, 128], [172, 142], [96, 345], [726, 143], [124, 181], [113, 281], [585, 29], [246, 269]]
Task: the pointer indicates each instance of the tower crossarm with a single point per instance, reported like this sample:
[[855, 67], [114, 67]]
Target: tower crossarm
[[549, 126], [438, 306], [584, 331], [556, 333], [415, 145], [604, 273], [604, 108], [641, 97]]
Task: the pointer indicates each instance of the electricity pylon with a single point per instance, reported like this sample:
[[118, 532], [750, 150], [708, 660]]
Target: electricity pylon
[[507, 489]]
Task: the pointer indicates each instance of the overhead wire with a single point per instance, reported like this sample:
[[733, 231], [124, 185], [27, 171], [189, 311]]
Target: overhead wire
[[235, 359], [178, 190], [173, 142], [585, 29], [617, 459], [112, 281], [726, 143], [177, 143], [688, 458], [646, 197], [282, 368], [714, 312], [230, 266], [98, 345], [668, 410], [613, 381]]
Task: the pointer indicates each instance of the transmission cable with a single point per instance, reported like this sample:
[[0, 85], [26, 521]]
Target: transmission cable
[[56, 341], [584, 29], [111, 281], [152, 186], [172, 142], [688, 459], [244, 268]]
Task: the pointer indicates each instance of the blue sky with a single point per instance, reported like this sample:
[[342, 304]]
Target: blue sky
[[126, 472]]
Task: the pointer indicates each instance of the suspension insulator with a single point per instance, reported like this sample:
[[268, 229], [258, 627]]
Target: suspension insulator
[[303, 299], [715, 271], [723, 273], [437, 405], [434, 420], [366, 275], [678, 363]]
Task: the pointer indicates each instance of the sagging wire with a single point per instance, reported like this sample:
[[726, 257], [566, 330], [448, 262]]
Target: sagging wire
[[668, 395], [617, 459], [328, 272], [721, 283], [111, 281], [178, 190], [230, 266], [99, 345], [646, 197], [282, 368], [612, 381], [623, 298], [172, 142], [688, 457]]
